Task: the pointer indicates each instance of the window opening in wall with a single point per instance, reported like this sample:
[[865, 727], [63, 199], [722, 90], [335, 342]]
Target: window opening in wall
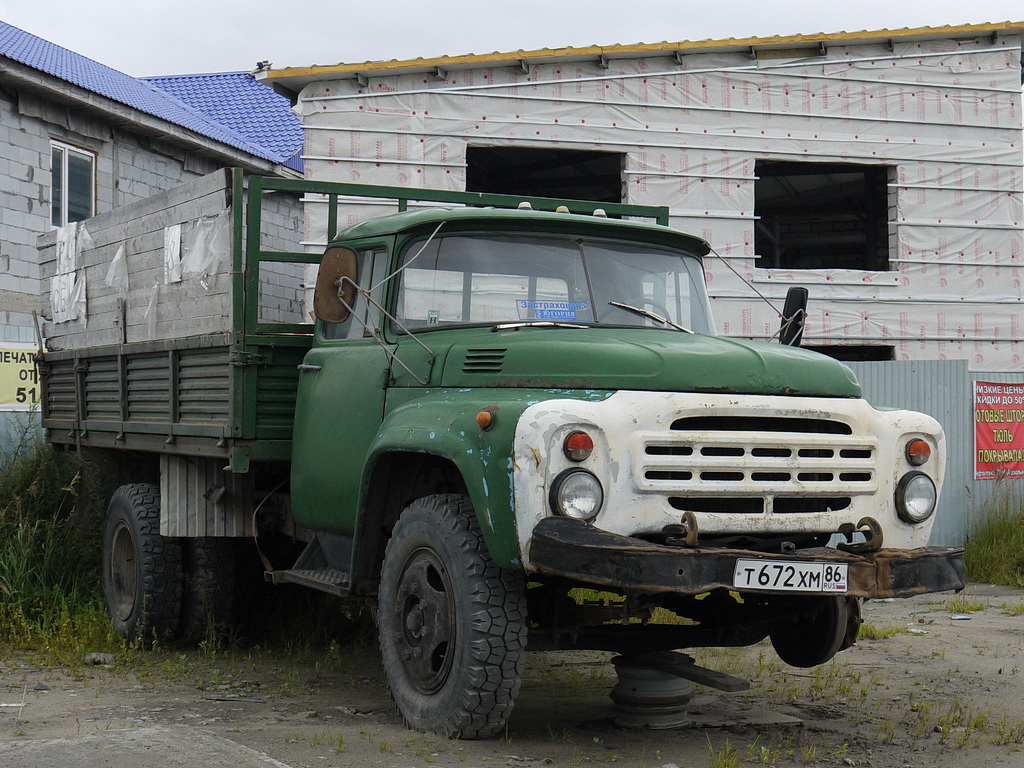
[[72, 184], [855, 353], [562, 173], [821, 215]]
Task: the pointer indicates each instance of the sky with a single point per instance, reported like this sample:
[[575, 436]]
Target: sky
[[158, 37]]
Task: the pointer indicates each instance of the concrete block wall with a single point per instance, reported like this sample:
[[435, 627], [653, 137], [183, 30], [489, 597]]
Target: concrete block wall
[[282, 286], [24, 213], [128, 168]]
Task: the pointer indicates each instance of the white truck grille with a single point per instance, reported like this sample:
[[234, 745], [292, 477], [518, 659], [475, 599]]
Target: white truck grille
[[758, 464]]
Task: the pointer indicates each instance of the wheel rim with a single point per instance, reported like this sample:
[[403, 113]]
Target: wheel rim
[[425, 620], [124, 575]]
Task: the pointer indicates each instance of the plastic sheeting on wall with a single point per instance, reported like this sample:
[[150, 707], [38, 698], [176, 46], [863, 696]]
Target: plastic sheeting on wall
[[67, 288]]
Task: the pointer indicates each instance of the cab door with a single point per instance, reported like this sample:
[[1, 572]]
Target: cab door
[[339, 408]]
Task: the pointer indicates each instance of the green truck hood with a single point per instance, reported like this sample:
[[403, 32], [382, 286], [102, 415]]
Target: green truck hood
[[638, 359]]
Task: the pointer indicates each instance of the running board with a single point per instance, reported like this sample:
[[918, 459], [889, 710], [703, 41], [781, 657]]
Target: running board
[[324, 579], [320, 566]]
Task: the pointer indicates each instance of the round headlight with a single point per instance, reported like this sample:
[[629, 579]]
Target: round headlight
[[915, 497], [577, 494]]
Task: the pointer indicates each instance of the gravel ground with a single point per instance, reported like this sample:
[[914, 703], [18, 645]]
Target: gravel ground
[[931, 683]]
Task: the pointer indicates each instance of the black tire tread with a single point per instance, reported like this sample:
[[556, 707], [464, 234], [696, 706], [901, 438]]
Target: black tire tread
[[498, 617], [159, 559], [209, 592]]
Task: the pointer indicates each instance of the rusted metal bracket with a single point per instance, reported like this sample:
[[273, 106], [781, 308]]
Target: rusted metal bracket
[[240, 357]]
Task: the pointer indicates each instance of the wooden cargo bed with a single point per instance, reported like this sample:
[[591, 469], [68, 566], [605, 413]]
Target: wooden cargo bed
[[175, 324]]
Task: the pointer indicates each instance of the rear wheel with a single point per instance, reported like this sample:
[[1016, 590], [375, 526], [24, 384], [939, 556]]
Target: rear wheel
[[452, 623], [142, 573], [209, 591]]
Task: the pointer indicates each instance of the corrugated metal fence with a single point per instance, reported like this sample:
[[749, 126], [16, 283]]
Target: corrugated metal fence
[[944, 389]]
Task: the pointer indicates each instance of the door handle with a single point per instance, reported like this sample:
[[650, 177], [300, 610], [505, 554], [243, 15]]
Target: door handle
[[307, 368]]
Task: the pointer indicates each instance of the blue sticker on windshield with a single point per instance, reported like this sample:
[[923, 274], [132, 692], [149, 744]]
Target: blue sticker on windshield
[[552, 310]]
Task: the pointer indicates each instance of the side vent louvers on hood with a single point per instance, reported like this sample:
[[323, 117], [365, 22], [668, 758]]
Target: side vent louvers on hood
[[483, 361]]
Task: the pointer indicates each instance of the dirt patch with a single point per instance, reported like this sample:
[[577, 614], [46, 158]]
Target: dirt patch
[[929, 684]]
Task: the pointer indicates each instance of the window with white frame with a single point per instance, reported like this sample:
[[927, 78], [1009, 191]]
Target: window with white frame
[[72, 184]]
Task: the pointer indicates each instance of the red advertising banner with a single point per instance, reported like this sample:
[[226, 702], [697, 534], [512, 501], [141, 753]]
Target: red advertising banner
[[998, 430]]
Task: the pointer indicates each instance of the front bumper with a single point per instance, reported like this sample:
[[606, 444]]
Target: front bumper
[[571, 549]]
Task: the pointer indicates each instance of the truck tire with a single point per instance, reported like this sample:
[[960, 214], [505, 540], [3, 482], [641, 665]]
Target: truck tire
[[141, 569], [209, 594], [808, 644], [452, 624]]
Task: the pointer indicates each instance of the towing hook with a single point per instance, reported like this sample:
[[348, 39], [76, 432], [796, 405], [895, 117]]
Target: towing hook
[[872, 530], [683, 533], [689, 522], [869, 528]]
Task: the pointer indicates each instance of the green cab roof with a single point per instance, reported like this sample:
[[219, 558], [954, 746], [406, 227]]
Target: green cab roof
[[463, 219]]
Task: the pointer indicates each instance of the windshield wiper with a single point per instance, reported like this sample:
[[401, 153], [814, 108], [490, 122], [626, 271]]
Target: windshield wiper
[[649, 315], [537, 324]]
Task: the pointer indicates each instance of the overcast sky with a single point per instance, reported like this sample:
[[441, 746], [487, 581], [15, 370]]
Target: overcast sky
[[158, 37]]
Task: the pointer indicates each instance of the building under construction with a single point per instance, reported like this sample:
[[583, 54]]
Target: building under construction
[[881, 170]]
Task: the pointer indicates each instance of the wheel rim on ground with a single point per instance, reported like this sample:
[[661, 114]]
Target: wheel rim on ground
[[124, 576], [426, 617]]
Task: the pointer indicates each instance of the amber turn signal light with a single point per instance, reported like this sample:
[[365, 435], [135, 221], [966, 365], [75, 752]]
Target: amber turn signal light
[[918, 452], [578, 446]]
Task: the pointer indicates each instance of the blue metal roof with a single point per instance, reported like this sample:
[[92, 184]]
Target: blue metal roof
[[248, 107], [162, 98]]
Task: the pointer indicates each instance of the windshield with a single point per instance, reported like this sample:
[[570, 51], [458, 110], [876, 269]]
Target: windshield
[[470, 279]]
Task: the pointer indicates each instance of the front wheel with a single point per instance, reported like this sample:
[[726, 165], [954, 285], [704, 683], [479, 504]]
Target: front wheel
[[452, 623], [833, 628]]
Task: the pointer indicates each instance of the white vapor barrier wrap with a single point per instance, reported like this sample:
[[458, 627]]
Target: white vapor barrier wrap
[[944, 116], [67, 287]]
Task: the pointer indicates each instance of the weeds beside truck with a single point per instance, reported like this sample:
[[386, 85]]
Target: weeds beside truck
[[496, 414]]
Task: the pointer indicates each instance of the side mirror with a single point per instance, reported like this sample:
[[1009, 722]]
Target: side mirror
[[335, 285], [794, 314]]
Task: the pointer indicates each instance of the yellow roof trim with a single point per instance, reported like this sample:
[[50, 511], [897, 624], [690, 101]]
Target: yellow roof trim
[[638, 50]]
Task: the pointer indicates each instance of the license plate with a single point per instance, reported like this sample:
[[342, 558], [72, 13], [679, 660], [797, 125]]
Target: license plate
[[790, 576]]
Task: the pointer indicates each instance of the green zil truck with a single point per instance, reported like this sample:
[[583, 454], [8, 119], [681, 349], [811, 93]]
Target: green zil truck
[[507, 426]]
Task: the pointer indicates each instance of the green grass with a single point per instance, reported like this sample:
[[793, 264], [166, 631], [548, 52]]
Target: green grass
[[726, 757], [49, 544], [995, 549], [964, 603], [869, 631]]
